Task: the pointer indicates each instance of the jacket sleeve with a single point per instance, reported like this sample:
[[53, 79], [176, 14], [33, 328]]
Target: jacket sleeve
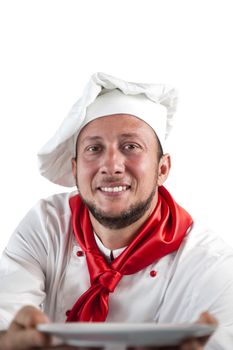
[[216, 296], [23, 268]]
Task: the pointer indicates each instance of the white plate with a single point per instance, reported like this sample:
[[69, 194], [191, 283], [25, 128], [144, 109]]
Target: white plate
[[130, 334]]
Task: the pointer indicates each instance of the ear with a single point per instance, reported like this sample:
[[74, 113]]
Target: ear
[[74, 167], [164, 169]]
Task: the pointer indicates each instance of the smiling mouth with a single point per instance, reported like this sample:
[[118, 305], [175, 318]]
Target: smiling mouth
[[115, 189]]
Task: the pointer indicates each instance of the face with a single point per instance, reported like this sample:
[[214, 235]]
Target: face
[[117, 169]]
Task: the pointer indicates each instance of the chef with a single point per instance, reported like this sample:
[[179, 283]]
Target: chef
[[119, 248]]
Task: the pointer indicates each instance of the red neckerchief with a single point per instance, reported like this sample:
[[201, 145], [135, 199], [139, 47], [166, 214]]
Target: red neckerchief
[[160, 235]]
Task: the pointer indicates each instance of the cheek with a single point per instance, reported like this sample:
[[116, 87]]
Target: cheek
[[85, 173], [144, 167]]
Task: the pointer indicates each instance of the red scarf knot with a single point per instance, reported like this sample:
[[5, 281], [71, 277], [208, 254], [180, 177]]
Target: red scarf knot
[[160, 235], [109, 279]]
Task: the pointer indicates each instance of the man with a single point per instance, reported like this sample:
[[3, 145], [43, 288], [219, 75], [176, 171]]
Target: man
[[122, 249]]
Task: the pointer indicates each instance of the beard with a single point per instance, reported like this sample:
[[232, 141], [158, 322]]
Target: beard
[[125, 218]]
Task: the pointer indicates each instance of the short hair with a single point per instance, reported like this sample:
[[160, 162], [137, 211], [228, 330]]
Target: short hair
[[160, 148]]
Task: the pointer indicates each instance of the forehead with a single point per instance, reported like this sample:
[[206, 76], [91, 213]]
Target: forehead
[[117, 124]]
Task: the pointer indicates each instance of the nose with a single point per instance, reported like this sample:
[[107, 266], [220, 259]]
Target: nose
[[112, 162]]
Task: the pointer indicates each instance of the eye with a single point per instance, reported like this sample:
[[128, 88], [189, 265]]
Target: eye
[[93, 148], [131, 146]]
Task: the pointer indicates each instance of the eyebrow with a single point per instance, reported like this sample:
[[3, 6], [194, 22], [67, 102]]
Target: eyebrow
[[132, 134], [91, 138], [99, 138]]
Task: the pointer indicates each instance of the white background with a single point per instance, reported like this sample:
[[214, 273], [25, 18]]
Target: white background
[[48, 50]]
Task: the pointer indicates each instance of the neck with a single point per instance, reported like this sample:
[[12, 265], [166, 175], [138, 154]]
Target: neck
[[119, 238]]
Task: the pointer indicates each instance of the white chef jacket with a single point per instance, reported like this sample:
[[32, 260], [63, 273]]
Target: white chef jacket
[[43, 265]]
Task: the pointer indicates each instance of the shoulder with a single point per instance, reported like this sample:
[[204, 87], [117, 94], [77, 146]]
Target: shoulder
[[203, 239], [50, 209], [205, 254], [57, 204], [46, 224]]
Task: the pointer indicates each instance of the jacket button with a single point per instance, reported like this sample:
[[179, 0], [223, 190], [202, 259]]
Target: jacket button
[[153, 273], [68, 312], [79, 253]]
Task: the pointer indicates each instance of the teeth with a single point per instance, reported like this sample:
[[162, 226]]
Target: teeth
[[113, 189]]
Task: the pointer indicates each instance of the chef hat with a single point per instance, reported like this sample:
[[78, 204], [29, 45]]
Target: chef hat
[[105, 95]]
